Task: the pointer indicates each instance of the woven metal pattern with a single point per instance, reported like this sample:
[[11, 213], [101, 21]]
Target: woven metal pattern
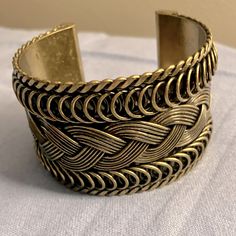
[[124, 135], [117, 145], [133, 179]]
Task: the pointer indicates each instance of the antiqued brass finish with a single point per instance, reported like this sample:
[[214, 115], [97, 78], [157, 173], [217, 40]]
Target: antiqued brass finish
[[53, 56], [133, 178], [125, 135]]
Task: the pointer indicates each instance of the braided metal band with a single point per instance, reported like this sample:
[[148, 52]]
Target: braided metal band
[[117, 136], [131, 179], [117, 145]]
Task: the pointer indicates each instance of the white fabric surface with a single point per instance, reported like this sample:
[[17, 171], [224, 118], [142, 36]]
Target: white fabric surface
[[33, 203]]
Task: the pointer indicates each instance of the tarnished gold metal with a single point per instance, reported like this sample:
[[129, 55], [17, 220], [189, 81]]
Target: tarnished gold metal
[[124, 135], [55, 57]]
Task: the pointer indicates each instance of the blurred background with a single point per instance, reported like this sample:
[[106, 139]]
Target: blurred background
[[121, 17]]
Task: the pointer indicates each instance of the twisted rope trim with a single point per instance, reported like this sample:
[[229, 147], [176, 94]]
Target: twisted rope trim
[[132, 179], [118, 83], [132, 103]]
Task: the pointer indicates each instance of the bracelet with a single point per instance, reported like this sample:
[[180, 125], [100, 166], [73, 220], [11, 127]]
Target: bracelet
[[120, 136]]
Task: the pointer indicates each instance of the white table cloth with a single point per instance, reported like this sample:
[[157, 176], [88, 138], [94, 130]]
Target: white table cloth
[[33, 203]]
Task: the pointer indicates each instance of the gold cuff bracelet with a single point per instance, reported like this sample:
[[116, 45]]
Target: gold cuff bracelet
[[124, 135]]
